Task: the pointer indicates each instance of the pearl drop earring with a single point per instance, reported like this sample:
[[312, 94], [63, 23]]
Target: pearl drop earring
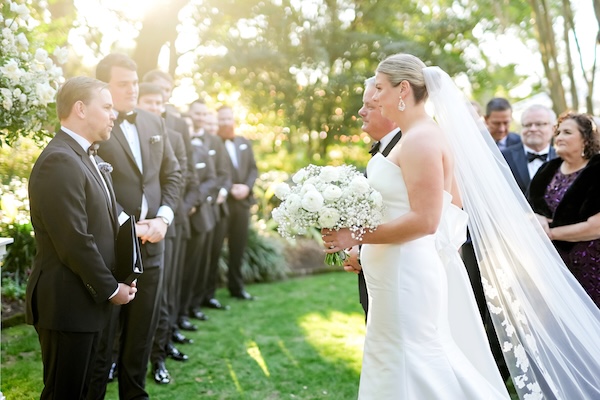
[[401, 105]]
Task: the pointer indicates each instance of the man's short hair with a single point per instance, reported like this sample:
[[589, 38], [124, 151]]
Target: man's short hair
[[155, 74], [497, 104], [104, 67], [146, 88], [79, 88]]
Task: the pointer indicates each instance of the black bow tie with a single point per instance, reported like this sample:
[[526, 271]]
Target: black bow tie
[[93, 149], [532, 156], [130, 117], [375, 148]]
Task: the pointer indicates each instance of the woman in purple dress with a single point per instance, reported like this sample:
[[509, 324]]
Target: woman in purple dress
[[565, 195]]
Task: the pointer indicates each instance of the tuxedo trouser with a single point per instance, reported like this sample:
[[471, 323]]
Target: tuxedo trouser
[[68, 358], [363, 295], [237, 239], [177, 283], [192, 270], [218, 238], [470, 261]]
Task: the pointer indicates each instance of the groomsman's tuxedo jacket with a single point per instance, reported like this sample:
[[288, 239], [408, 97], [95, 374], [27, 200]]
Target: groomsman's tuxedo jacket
[[246, 172], [517, 161], [202, 194], [75, 231], [159, 181]]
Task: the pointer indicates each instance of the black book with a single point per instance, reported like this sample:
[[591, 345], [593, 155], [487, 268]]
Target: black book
[[129, 258]]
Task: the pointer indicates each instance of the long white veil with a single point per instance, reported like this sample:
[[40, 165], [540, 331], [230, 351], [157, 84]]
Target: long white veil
[[548, 327]]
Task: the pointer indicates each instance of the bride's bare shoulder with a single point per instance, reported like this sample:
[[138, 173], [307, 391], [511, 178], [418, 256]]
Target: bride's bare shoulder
[[427, 134]]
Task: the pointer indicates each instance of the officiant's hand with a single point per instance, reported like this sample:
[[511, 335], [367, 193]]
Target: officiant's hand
[[157, 228], [125, 294], [339, 240], [351, 263]]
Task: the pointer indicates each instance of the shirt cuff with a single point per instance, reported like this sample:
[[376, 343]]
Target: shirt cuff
[[114, 293], [166, 212]]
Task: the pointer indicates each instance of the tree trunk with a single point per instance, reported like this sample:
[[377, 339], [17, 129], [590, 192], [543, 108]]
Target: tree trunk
[[159, 26]]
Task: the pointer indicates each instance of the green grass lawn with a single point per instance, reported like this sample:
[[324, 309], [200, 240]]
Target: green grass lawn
[[301, 339]]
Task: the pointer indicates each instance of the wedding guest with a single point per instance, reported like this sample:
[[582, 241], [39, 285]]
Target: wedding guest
[[74, 217], [239, 200], [150, 99], [198, 112], [565, 195], [385, 134], [498, 117], [147, 180], [524, 159]]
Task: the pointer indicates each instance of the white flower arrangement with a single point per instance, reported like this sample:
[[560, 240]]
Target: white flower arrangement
[[328, 197], [29, 77]]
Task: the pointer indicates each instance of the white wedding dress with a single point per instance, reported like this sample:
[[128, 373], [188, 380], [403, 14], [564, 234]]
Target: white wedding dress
[[425, 339]]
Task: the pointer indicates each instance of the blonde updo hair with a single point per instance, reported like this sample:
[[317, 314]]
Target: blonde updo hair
[[405, 67]]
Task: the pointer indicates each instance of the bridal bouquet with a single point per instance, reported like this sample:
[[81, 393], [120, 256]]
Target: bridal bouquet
[[328, 197]]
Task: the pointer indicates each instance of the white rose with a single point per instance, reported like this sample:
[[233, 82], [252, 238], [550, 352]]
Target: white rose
[[312, 201], [299, 176], [307, 187], [376, 198], [45, 93], [22, 40], [48, 63], [328, 217], [7, 103], [282, 190], [41, 55], [11, 70], [293, 202], [61, 54], [329, 174], [332, 193], [20, 9], [360, 185]]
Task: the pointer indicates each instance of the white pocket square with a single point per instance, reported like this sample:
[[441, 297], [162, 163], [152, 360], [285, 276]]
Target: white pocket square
[[200, 165], [243, 146], [212, 152]]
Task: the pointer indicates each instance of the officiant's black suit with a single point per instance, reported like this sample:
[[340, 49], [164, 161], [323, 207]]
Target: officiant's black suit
[[75, 226], [160, 183]]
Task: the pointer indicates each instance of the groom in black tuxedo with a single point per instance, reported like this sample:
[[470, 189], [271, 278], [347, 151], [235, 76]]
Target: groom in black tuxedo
[[386, 134], [74, 215], [147, 181]]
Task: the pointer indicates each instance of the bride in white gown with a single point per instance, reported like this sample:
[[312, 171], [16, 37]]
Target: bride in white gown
[[425, 339]]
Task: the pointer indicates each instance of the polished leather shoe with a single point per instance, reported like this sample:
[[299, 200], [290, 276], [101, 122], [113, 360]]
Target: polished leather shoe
[[214, 303], [186, 325], [197, 314], [180, 338], [161, 375], [175, 354], [112, 373], [243, 295]]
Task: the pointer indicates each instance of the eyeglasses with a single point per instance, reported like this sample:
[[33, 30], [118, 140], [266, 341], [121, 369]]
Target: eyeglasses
[[534, 124]]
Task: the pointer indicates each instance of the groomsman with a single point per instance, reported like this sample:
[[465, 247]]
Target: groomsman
[[385, 134], [524, 159], [150, 99], [147, 181], [198, 112], [498, 117], [239, 199], [74, 217]]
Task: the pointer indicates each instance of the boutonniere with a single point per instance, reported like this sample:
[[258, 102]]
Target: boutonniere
[[243, 146], [105, 167], [155, 139], [212, 152]]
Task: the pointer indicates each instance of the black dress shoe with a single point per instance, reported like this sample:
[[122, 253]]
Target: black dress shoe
[[175, 354], [214, 303], [161, 375], [179, 337], [197, 314], [243, 295], [112, 373], [186, 325]]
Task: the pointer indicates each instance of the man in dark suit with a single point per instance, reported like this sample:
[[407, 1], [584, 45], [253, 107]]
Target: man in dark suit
[[239, 200], [498, 117], [198, 112], [147, 181], [524, 159], [385, 134], [74, 216]]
